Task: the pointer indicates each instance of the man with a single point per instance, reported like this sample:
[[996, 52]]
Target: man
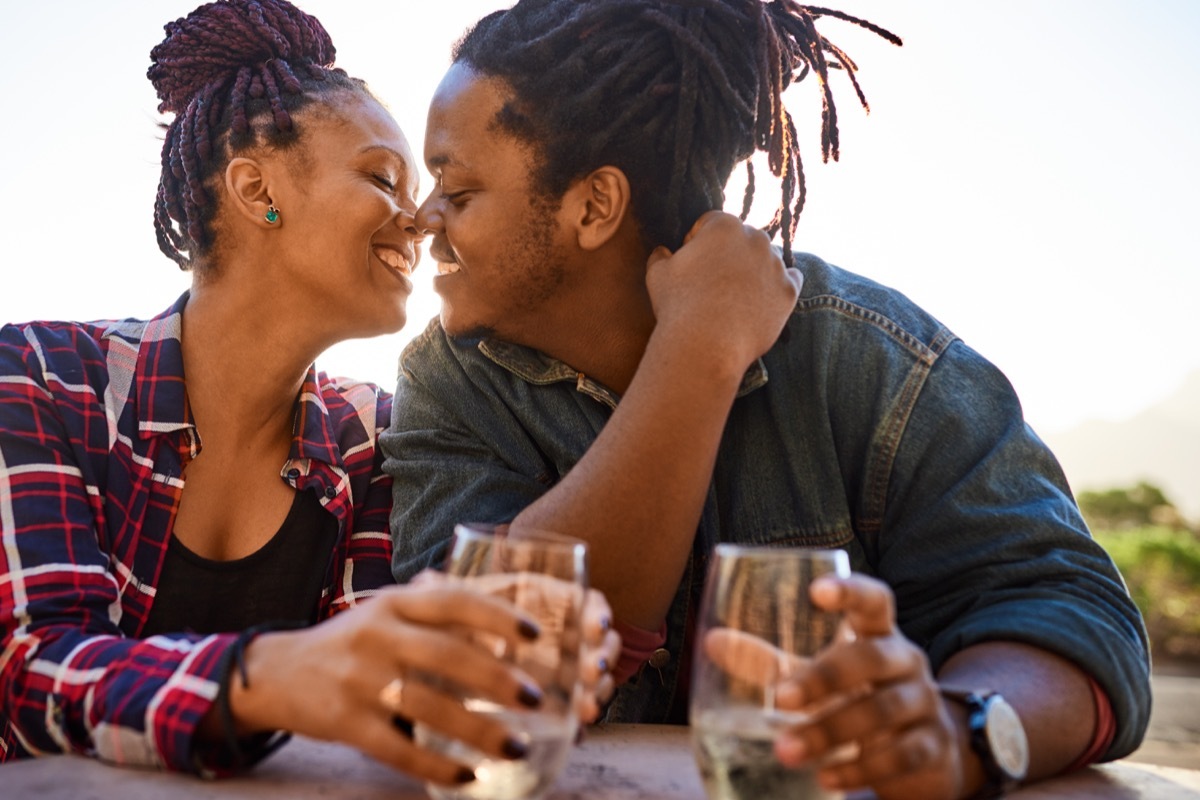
[[582, 378]]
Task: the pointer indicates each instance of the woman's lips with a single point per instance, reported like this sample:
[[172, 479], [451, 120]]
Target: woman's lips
[[398, 260]]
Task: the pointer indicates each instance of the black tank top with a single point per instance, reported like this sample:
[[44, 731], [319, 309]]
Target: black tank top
[[280, 582]]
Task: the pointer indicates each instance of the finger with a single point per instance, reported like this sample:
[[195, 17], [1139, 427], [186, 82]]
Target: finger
[[888, 759], [597, 618], [867, 603], [892, 708], [749, 658], [848, 667], [796, 277], [444, 655], [378, 738], [454, 603], [704, 220], [656, 255], [434, 707]]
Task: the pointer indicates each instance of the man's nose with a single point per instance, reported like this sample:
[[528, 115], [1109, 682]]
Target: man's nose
[[428, 218]]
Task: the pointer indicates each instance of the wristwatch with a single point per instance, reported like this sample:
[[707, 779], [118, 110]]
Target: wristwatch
[[997, 737]]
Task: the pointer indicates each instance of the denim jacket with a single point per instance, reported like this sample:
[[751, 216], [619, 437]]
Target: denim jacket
[[868, 426]]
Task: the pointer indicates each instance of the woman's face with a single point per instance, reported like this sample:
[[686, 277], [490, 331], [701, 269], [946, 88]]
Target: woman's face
[[346, 243]]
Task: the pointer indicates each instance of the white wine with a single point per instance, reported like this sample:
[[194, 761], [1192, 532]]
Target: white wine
[[735, 751], [547, 737]]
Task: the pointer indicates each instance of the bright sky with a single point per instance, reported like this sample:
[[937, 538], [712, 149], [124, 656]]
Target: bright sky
[[1029, 173]]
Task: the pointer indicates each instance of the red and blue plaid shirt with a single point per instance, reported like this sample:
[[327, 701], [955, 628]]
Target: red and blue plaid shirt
[[95, 433]]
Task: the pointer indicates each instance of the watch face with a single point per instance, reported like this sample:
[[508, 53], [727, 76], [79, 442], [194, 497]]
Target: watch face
[[1006, 736]]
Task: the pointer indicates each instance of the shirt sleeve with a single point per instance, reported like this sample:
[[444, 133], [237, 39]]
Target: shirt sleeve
[[69, 680], [980, 539]]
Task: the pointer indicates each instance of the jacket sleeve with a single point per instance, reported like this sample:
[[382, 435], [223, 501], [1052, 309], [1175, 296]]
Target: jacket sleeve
[[981, 540], [69, 680]]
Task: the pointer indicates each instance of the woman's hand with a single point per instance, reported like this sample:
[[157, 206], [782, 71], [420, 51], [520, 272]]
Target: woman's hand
[[886, 703], [327, 681], [601, 649]]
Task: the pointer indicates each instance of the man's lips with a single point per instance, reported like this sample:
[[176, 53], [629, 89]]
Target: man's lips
[[447, 264]]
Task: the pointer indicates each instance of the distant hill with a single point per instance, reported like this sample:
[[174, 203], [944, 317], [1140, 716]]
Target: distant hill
[[1161, 445]]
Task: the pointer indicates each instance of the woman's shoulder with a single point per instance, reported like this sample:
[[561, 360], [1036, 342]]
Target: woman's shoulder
[[55, 346], [344, 397]]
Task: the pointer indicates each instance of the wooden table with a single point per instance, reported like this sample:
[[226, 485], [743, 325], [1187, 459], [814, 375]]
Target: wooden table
[[615, 762]]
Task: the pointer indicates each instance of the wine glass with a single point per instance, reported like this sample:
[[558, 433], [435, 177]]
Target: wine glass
[[757, 627], [546, 575]]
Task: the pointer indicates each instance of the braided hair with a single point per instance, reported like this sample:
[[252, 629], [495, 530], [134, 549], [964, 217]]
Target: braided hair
[[673, 92], [233, 72]]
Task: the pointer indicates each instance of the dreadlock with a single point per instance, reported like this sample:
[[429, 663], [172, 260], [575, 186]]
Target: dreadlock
[[674, 92], [233, 72]]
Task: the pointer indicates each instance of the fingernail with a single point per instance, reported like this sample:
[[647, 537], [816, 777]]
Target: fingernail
[[528, 629], [603, 665], [530, 696], [791, 751], [514, 748], [464, 775], [403, 725], [605, 623]]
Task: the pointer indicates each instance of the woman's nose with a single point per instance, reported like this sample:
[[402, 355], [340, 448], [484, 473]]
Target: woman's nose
[[406, 221]]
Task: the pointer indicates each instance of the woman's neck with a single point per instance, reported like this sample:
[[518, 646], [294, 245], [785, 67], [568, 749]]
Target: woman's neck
[[244, 361]]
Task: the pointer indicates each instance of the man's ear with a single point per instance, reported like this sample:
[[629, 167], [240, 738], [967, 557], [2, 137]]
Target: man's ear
[[601, 202], [246, 183]]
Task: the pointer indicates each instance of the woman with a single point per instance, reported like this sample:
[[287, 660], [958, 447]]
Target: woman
[[161, 571]]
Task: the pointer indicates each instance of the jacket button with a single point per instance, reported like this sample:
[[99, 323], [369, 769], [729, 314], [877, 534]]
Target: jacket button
[[293, 474], [660, 658], [330, 492]]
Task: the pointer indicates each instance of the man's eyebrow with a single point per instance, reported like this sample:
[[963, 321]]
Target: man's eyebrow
[[443, 160]]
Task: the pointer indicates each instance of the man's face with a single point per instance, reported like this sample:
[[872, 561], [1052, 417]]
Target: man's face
[[500, 248]]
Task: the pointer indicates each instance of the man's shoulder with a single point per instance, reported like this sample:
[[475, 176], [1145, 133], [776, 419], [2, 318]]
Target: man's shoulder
[[834, 297]]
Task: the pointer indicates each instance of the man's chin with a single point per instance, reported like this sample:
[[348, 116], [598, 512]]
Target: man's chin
[[466, 332]]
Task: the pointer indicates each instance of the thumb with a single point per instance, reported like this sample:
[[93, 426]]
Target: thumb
[[656, 255]]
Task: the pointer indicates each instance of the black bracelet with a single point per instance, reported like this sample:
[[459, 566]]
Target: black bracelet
[[262, 744]]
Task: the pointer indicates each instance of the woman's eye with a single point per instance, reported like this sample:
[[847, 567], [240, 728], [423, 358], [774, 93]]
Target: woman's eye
[[455, 198], [385, 182]]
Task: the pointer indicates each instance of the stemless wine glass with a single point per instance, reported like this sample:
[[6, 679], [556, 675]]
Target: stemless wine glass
[[757, 626], [546, 575]]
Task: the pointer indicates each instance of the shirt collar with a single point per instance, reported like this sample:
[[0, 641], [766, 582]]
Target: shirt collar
[[162, 397], [538, 368]]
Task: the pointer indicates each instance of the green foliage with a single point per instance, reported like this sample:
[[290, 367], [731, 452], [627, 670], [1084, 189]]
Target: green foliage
[[1122, 508], [1161, 566]]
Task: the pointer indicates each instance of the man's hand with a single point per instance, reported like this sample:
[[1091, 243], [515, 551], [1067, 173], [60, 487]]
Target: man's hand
[[885, 701]]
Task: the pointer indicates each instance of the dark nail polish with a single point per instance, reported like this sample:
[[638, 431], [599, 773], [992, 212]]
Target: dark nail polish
[[603, 665], [514, 748], [528, 629], [530, 696], [403, 725], [464, 776]]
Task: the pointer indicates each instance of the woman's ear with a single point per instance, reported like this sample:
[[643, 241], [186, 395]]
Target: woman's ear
[[246, 183], [601, 203]]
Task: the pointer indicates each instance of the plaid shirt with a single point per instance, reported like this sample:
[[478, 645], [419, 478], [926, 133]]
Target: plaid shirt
[[95, 432]]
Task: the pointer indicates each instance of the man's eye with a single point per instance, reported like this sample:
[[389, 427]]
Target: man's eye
[[385, 182], [454, 198]]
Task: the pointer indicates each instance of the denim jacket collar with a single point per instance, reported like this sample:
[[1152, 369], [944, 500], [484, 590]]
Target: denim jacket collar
[[540, 369]]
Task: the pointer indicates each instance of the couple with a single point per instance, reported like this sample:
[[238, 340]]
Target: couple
[[578, 150]]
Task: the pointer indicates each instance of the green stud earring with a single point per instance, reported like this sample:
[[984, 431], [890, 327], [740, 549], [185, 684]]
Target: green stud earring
[[272, 214]]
